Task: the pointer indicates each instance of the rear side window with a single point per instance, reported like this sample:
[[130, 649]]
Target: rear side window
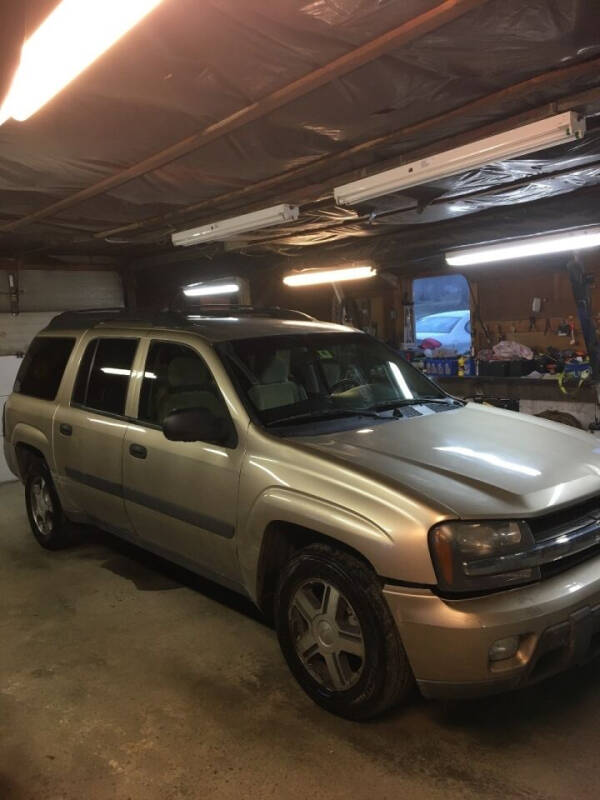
[[42, 368], [104, 373]]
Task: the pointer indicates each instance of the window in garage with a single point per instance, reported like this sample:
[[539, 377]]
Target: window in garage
[[442, 312]]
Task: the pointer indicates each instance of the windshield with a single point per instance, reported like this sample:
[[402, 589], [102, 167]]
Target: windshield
[[309, 376]]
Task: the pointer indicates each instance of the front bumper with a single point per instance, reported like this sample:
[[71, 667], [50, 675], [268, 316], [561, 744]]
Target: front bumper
[[448, 641]]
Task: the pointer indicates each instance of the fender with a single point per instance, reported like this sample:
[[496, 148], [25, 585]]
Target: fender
[[22, 433], [316, 514]]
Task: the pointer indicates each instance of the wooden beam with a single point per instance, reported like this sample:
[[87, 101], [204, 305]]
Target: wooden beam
[[410, 30], [440, 121], [308, 193]]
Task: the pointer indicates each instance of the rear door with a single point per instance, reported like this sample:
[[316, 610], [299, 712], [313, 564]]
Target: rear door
[[89, 432], [182, 496]]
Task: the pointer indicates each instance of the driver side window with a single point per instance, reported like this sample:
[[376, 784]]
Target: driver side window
[[176, 377]]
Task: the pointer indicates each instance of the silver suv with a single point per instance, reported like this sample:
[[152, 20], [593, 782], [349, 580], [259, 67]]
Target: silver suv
[[392, 532]]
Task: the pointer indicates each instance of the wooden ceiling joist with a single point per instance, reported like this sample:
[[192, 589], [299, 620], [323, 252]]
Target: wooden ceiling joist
[[410, 30], [481, 106]]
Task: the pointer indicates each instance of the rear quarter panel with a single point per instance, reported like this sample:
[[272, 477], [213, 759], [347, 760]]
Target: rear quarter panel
[[29, 420]]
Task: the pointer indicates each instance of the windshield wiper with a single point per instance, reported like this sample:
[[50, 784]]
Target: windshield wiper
[[325, 414], [414, 401]]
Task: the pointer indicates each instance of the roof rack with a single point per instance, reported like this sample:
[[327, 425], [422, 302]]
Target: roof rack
[[94, 317], [227, 309]]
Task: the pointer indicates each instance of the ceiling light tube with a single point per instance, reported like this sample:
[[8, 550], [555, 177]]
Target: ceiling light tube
[[226, 228], [517, 142], [312, 277], [560, 242], [73, 36], [210, 289]]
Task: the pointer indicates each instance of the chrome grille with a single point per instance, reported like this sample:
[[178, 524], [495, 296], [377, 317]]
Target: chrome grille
[[568, 522], [549, 525]]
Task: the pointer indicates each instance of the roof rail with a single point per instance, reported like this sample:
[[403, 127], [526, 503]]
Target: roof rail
[[227, 309], [94, 317]]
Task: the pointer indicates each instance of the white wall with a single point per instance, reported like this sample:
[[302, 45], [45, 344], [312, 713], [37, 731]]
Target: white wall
[[66, 290], [8, 370], [16, 332], [42, 295]]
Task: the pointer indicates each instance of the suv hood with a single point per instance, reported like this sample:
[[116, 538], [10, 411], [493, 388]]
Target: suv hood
[[474, 461]]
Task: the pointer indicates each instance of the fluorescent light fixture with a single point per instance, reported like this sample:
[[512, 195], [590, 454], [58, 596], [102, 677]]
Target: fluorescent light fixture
[[210, 289], [226, 228], [73, 36], [517, 142], [311, 277], [560, 242]]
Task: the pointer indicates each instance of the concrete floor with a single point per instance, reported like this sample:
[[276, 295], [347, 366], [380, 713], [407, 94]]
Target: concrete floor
[[124, 677]]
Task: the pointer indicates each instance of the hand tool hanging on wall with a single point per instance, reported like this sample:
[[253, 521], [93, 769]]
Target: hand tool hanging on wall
[[13, 291], [408, 307], [581, 286]]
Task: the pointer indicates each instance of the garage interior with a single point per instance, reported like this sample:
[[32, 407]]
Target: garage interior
[[124, 676]]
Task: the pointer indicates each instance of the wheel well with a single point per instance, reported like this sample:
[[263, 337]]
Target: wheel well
[[281, 540], [26, 456]]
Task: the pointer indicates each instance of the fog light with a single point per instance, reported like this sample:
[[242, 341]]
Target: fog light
[[504, 648]]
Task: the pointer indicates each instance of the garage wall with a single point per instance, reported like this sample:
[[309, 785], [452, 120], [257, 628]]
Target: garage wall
[[42, 295], [16, 332], [45, 290], [506, 292], [8, 370]]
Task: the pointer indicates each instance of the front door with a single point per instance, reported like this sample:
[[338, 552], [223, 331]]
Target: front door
[[181, 497]]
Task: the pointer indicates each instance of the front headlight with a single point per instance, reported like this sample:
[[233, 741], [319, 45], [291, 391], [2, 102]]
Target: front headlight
[[473, 556]]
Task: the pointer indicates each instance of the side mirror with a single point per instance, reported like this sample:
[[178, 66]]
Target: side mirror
[[198, 425]]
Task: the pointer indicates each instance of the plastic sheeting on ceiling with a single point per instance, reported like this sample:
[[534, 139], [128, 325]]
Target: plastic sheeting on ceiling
[[190, 64]]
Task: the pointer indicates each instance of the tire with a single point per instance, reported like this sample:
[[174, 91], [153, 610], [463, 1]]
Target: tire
[[48, 523], [338, 636]]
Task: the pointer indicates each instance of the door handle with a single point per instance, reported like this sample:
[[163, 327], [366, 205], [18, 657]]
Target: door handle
[[138, 450], [65, 429]]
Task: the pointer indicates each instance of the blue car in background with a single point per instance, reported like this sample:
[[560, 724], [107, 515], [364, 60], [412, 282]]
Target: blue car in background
[[446, 329]]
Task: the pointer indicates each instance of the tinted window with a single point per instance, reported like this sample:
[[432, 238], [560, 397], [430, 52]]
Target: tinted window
[[176, 377], [83, 374], [104, 374], [42, 368]]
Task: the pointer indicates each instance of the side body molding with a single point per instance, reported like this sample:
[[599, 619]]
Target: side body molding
[[316, 514]]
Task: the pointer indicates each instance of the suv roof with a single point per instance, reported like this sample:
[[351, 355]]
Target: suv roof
[[214, 325]]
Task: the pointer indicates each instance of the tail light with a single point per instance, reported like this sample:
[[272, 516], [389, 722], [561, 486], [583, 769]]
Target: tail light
[[430, 344]]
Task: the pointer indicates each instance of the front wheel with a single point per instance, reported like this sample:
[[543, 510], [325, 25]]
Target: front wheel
[[48, 522], [338, 636]]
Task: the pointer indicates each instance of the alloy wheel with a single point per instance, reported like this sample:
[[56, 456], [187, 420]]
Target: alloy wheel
[[42, 506], [327, 635]]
